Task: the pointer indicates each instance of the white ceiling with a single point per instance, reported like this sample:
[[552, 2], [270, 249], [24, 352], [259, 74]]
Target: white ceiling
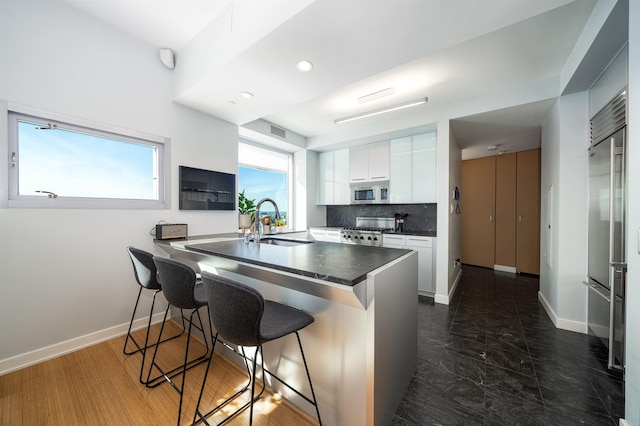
[[446, 50]]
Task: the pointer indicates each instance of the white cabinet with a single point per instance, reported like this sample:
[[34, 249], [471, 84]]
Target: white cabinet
[[333, 177], [341, 188], [400, 184], [369, 162], [413, 169], [318, 234], [330, 235], [424, 168], [425, 248]]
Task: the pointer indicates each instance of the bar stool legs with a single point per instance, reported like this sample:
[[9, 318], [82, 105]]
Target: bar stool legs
[[244, 318]]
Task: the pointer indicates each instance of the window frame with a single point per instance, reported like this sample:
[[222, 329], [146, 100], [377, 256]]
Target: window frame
[[289, 174], [15, 200]]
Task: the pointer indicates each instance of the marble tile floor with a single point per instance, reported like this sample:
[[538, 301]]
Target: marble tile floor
[[494, 357]]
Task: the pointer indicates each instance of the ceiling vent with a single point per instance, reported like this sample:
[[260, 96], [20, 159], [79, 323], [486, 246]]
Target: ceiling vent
[[278, 131]]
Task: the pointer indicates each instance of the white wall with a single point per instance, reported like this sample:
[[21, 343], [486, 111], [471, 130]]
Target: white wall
[[564, 206], [65, 273], [455, 220], [632, 376]]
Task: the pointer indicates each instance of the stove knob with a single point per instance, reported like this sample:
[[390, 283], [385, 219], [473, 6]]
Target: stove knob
[[375, 238], [369, 238]]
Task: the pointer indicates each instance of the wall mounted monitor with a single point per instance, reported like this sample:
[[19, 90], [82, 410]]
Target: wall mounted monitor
[[206, 189]]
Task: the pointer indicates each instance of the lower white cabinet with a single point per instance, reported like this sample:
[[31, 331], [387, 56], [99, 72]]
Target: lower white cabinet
[[330, 235], [425, 247]]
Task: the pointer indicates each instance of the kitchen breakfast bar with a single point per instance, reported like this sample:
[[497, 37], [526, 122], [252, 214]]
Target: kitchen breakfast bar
[[361, 348]]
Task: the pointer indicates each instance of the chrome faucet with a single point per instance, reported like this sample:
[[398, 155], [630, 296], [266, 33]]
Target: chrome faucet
[[258, 214]]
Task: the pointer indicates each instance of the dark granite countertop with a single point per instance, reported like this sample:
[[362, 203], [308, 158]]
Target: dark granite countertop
[[345, 264]]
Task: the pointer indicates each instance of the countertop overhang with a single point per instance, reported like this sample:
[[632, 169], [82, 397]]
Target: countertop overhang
[[338, 263]]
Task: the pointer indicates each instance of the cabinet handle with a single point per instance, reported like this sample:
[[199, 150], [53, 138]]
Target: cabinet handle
[[520, 219], [378, 177], [490, 218]]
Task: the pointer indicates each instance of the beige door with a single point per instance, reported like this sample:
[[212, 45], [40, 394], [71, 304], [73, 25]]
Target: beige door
[[506, 210], [477, 204], [528, 211]]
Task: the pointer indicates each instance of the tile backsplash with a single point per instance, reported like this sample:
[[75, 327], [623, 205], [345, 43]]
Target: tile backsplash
[[421, 217]]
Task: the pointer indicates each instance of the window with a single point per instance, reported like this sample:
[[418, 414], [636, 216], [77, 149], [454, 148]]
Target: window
[[264, 173], [63, 165]]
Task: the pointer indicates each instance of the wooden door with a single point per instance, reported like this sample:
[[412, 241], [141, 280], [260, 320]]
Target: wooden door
[[506, 210], [528, 211], [477, 204]]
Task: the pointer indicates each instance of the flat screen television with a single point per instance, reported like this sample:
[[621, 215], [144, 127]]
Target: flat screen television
[[206, 189]]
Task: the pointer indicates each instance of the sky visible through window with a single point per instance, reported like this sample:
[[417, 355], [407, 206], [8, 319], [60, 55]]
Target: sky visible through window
[[259, 184], [74, 164]]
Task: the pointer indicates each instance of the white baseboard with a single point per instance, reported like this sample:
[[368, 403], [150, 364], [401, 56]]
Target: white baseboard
[[30, 358], [562, 323], [503, 268], [623, 422], [445, 300]]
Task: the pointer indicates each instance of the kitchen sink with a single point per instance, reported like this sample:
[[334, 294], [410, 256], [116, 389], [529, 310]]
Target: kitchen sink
[[282, 242]]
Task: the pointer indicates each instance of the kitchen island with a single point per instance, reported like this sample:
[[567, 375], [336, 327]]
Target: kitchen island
[[362, 347]]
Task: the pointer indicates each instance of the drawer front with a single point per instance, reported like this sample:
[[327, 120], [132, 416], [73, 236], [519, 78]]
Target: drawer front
[[419, 241]]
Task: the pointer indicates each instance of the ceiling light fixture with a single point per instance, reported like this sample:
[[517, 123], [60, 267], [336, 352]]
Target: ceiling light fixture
[[381, 111], [304, 66], [246, 95], [377, 95]]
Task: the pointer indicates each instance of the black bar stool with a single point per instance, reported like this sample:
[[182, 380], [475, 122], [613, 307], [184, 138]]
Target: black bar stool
[[181, 289], [241, 316], [145, 273]]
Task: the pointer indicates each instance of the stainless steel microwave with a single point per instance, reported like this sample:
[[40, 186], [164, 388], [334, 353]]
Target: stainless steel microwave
[[370, 194]]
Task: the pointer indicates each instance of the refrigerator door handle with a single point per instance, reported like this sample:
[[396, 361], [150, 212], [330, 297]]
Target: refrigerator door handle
[[616, 268]]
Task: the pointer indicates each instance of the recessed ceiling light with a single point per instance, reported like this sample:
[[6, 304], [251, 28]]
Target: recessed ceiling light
[[304, 66], [493, 147], [246, 95]]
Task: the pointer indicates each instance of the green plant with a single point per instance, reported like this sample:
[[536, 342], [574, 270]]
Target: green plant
[[246, 205]]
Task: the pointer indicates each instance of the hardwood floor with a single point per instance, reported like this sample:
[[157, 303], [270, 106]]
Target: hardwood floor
[[99, 385]]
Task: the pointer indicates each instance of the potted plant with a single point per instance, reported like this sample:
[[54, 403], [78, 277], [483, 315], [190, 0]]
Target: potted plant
[[280, 224], [246, 211]]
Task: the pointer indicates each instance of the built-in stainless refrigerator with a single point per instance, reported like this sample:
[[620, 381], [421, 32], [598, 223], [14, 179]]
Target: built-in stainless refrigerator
[[607, 210]]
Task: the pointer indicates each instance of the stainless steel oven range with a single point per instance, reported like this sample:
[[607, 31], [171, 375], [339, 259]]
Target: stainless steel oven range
[[368, 231]]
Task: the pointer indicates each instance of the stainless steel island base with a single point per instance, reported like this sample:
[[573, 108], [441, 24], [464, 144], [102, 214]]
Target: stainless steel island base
[[362, 347]]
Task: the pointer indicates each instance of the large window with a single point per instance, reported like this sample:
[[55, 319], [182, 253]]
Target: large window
[[264, 173], [65, 165]]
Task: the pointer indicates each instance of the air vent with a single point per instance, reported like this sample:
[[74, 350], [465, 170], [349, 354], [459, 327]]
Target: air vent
[[278, 131], [610, 119]]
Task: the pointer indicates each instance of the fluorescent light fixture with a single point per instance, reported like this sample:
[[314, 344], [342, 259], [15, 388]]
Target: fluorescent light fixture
[[381, 111]]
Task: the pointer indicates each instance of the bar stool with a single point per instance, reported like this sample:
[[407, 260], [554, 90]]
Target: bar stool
[[145, 273], [241, 316], [180, 288]]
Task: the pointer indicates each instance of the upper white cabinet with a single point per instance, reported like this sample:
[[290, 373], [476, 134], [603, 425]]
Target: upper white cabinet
[[369, 162], [413, 169], [400, 190], [333, 177]]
